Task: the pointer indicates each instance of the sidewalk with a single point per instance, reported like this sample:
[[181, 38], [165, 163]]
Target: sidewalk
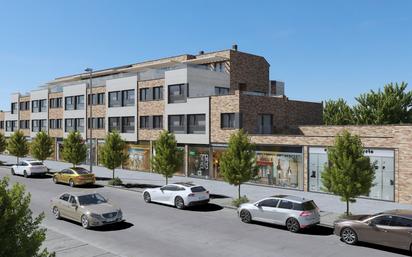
[[330, 205], [66, 246]]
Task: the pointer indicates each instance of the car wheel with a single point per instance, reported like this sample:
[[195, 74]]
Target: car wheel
[[12, 172], [179, 203], [245, 216], [349, 236], [293, 225], [85, 221], [56, 212], [146, 197], [71, 183], [25, 174], [55, 180]]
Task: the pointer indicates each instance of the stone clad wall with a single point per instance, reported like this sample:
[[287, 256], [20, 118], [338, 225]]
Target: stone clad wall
[[218, 105], [56, 113]]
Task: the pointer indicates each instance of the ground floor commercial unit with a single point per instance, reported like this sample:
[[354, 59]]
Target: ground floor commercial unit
[[294, 161]]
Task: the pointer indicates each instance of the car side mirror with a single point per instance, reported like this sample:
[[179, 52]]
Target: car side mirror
[[258, 205], [371, 224]]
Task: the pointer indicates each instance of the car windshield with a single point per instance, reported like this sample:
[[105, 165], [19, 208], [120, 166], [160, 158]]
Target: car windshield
[[81, 171], [36, 163], [91, 199], [198, 189]]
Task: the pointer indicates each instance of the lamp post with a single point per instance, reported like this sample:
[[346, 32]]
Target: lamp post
[[89, 121]]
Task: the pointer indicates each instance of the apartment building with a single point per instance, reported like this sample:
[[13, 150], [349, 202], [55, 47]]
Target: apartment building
[[203, 99]]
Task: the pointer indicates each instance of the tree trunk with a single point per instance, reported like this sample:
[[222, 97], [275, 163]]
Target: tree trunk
[[17, 160], [166, 180], [347, 207], [113, 174], [238, 192]]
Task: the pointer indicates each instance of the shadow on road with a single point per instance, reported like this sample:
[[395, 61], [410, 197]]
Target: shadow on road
[[217, 196], [136, 185], [383, 248], [113, 227], [311, 231], [93, 186], [46, 176], [205, 208]]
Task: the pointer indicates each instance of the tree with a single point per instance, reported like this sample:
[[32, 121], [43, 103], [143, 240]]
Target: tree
[[74, 149], [112, 153], [390, 106], [349, 173], [167, 157], [238, 162], [17, 145], [20, 235], [3, 142], [42, 146], [337, 113]]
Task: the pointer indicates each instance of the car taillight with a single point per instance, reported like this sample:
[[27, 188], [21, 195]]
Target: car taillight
[[305, 213], [191, 194]]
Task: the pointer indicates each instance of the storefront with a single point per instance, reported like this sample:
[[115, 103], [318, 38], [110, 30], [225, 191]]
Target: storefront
[[138, 157], [198, 161], [217, 152], [384, 160], [280, 166]]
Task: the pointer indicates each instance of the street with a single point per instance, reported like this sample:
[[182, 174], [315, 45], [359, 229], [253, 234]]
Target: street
[[158, 230]]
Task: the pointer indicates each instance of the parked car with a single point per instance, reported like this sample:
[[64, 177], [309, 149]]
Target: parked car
[[90, 209], [29, 168], [293, 212], [390, 228], [74, 177], [179, 195]]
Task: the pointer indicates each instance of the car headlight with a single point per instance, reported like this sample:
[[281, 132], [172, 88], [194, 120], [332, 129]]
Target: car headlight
[[95, 216]]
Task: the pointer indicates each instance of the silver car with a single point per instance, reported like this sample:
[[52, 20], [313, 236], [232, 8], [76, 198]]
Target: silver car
[[293, 212], [29, 168]]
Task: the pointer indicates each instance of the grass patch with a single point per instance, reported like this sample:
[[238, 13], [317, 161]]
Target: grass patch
[[237, 202], [115, 182]]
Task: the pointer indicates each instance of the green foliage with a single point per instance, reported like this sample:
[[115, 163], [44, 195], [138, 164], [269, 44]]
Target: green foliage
[[42, 146], [74, 149], [17, 145], [112, 153], [241, 200], [238, 162], [3, 142], [167, 157], [349, 173], [115, 182], [20, 235], [337, 113], [390, 106]]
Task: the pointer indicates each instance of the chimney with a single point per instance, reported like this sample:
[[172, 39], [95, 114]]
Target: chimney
[[201, 52], [234, 47]]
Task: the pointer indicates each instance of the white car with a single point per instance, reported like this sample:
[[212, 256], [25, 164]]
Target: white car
[[28, 168], [179, 195]]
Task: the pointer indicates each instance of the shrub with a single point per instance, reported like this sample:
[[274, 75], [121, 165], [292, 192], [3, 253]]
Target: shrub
[[116, 182], [238, 201]]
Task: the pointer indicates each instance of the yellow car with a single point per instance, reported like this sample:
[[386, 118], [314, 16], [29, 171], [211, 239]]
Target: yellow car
[[74, 177]]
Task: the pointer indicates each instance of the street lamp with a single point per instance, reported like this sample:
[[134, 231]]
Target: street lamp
[[89, 121]]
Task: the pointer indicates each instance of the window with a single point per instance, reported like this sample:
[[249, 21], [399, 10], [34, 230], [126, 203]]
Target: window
[[128, 97], [11, 125], [127, 124], [145, 94], [43, 105], [221, 91], [158, 122], [35, 106], [97, 123], [401, 222], [177, 93], [65, 197], [144, 122], [56, 102], [176, 124], [2, 124], [96, 99], [157, 93], [285, 204], [13, 108], [115, 99], [69, 103], [79, 102], [25, 124], [227, 120], [265, 123], [38, 125], [79, 125], [55, 124], [306, 206], [114, 124], [382, 220], [69, 125], [74, 124], [196, 124], [24, 106], [269, 203]]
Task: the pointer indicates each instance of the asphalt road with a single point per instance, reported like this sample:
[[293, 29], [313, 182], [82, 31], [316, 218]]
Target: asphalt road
[[158, 230]]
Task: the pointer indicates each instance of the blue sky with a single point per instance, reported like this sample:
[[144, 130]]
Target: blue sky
[[321, 49]]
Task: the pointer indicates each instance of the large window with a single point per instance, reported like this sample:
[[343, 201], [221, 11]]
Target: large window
[[24, 124], [96, 99], [176, 124], [177, 93], [11, 125], [128, 124], [157, 93], [144, 122], [265, 124], [35, 106], [38, 125], [69, 103], [221, 91], [128, 97], [196, 124], [24, 106], [74, 124], [55, 123], [158, 122], [13, 108], [114, 124], [96, 123], [115, 99], [79, 102], [56, 102], [145, 94], [121, 98], [227, 120], [198, 162]]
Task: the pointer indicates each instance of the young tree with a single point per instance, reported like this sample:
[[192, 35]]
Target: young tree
[[337, 113], [112, 153], [42, 146], [349, 173], [20, 235], [167, 158], [238, 162], [74, 149], [17, 145], [3, 142]]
